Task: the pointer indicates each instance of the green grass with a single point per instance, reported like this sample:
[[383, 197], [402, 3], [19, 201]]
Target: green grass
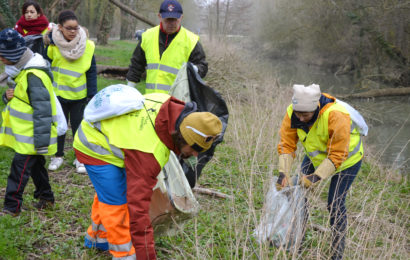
[[243, 166]]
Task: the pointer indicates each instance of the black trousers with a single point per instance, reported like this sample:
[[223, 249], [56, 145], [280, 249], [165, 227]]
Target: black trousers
[[73, 111], [22, 167]]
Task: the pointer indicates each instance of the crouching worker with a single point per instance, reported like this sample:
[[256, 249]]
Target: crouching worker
[[333, 149], [123, 156], [29, 121]]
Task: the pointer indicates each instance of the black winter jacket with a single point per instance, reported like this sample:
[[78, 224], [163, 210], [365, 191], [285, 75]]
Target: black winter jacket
[[139, 62]]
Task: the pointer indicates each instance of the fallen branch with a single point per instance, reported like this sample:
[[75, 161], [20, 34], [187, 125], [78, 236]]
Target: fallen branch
[[379, 93], [111, 69], [131, 12], [211, 192], [320, 228]]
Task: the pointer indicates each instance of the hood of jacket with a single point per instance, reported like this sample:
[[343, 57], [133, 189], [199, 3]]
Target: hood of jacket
[[38, 62]]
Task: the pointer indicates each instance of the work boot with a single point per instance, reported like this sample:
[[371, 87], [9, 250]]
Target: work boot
[[43, 204], [9, 212], [79, 167], [55, 163]]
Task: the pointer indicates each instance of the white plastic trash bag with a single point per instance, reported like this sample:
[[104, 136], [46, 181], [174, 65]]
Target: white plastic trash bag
[[61, 120], [113, 101], [282, 222], [356, 117]]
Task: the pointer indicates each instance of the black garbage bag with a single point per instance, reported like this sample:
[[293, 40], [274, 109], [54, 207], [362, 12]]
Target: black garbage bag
[[35, 43], [208, 100]]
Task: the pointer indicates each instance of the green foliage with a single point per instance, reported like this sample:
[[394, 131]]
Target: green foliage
[[116, 53]]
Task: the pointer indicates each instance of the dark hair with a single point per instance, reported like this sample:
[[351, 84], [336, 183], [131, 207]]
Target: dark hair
[[33, 3], [178, 139], [65, 16]]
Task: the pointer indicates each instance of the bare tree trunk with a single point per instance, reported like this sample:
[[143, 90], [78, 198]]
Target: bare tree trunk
[[379, 93], [75, 5], [226, 16], [217, 17], [105, 23], [131, 12]]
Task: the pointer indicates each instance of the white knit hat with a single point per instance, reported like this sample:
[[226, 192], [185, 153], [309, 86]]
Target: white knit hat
[[305, 99]]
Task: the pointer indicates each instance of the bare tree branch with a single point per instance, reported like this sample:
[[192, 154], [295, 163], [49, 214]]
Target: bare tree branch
[[131, 12]]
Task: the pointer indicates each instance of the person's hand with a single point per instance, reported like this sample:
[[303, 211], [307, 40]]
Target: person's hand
[[310, 181], [9, 93], [282, 181]]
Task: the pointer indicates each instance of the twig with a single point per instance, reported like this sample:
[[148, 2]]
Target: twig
[[211, 192]]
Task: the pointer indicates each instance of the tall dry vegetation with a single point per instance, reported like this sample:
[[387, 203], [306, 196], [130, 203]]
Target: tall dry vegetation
[[378, 202]]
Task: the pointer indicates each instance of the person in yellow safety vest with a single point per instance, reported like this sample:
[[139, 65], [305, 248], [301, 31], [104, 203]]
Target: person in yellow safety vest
[[32, 21], [333, 149], [29, 124], [163, 50], [75, 75], [123, 156]]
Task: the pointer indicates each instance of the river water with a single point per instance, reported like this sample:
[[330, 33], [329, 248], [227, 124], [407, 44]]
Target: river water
[[388, 118]]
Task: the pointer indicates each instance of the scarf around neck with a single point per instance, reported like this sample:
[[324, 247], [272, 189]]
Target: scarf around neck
[[71, 50], [32, 27], [14, 70]]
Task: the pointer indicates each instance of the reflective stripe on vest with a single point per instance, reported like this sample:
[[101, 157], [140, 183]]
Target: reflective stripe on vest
[[104, 140], [23, 138], [17, 130], [162, 70], [70, 80], [315, 141], [25, 116]]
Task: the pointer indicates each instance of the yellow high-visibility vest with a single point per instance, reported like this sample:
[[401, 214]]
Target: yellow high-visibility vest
[[17, 129], [105, 139], [162, 71], [70, 81], [315, 141]]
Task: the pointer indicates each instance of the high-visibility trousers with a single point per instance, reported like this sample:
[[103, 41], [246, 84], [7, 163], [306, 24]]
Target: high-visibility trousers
[[110, 225]]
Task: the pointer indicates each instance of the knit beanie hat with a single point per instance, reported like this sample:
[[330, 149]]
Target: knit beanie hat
[[12, 45], [200, 129], [305, 99]]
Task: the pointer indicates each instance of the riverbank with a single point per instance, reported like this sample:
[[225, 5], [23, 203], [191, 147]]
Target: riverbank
[[242, 167]]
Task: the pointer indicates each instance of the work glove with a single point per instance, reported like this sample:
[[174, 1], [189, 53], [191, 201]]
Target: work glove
[[285, 164], [325, 169]]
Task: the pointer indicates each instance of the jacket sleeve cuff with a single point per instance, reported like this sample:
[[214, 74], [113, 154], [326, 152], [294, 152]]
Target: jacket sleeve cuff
[[325, 169]]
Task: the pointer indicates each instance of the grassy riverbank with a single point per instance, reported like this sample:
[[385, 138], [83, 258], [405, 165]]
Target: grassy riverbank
[[378, 202]]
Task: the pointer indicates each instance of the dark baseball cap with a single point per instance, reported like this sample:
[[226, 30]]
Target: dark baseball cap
[[170, 9]]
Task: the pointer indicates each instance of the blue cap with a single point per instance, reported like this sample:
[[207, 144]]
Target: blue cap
[[170, 9]]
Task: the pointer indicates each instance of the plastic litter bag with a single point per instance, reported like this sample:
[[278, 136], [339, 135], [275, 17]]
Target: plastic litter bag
[[282, 222], [61, 120], [172, 201], [113, 101], [356, 117]]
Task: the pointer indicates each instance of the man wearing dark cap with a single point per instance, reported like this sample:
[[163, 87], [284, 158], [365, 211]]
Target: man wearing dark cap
[[163, 50], [29, 124]]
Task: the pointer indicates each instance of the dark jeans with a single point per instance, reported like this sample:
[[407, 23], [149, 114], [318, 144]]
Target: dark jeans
[[73, 111], [339, 185], [22, 167]]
